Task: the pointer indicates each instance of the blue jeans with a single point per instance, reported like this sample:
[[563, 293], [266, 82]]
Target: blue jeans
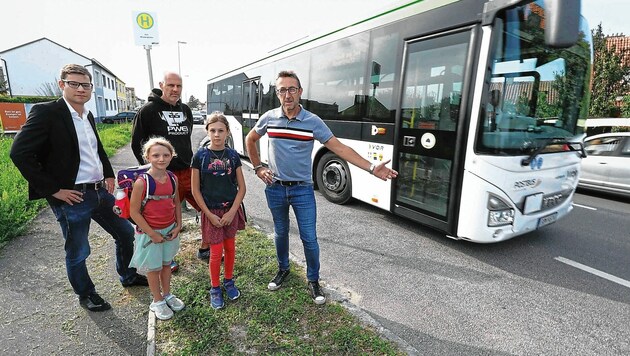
[[302, 198], [75, 225]]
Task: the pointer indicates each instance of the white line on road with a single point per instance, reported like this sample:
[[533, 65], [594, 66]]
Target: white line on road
[[584, 206], [594, 271]]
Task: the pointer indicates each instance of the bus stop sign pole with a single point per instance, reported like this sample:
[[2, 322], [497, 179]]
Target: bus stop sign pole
[[148, 48]]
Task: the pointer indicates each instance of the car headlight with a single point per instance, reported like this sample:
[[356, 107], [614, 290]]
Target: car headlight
[[499, 212]]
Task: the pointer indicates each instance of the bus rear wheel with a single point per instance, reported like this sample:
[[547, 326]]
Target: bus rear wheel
[[333, 178]]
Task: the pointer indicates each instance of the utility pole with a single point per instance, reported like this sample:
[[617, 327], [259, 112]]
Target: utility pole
[[179, 63]]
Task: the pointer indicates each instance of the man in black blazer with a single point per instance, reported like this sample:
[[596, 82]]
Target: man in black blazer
[[59, 153]]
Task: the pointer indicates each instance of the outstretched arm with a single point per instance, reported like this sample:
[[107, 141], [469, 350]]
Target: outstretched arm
[[350, 155]]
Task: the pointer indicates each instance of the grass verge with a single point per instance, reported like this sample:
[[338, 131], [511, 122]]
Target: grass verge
[[260, 321], [15, 208]]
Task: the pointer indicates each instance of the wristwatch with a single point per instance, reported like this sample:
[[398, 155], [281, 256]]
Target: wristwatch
[[372, 167], [257, 168]]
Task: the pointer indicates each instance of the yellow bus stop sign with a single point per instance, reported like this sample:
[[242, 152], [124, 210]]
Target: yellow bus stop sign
[[144, 20], [145, 28]]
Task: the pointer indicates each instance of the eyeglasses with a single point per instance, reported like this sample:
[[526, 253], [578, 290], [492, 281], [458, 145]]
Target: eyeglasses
[[283, 91], [75, 85]]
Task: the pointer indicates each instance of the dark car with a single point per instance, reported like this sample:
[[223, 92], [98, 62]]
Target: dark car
[[124, 116], [607, 167], [198, 117]]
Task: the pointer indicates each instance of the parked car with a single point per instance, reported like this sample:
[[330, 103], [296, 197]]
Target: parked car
[[124, 116], [198, 117], [607, 166]]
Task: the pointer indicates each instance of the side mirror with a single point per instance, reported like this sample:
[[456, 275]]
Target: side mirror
[[562, 19]]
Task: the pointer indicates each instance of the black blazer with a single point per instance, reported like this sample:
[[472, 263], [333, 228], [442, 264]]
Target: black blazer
[[46, 150]]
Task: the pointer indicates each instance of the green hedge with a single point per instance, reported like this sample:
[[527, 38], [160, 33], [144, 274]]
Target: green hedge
[[27, 99]]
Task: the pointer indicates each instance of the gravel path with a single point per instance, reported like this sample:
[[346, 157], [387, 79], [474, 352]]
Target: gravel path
[[39, 312]]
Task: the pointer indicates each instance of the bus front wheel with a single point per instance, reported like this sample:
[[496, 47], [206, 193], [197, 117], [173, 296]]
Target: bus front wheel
[[333, 178], [229, 141]]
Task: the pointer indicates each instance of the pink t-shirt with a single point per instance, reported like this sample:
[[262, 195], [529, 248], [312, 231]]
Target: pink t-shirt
[[160, 213]]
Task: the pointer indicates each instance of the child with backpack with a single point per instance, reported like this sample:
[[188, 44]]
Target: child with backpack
[[157, 212], [218, 186]]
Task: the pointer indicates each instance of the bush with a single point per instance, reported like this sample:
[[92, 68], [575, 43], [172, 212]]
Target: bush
[[15, 208]]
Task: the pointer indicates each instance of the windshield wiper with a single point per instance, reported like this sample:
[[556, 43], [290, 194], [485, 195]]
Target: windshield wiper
[[547, 141]]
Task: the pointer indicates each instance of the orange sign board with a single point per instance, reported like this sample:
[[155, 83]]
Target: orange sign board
[[12, 116], [426, 125]]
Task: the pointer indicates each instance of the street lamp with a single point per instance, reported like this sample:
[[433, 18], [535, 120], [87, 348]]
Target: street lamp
[[179, 63]]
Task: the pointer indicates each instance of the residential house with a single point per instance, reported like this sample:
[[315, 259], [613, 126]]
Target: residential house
[[131, 98], [34, 68], [104, 90], [121, 95]]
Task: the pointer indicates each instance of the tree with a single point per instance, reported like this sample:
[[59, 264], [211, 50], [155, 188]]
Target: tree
[[49, 89], [625, 106], [193, 102], [4, 88], [610, 76]]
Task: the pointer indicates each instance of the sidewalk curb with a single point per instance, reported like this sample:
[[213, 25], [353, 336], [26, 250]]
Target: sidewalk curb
[[151, 334]]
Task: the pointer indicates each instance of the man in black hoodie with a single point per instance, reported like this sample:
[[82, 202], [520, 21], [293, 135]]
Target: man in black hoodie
[[165, 115]]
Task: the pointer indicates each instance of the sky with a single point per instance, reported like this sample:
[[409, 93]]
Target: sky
[[220, 35]]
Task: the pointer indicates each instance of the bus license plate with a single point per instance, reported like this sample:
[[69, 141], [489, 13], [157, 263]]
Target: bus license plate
[[546, 220]]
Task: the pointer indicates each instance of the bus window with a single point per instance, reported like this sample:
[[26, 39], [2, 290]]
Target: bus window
[[432, 91], [381, 99], [269, 100], [235, 93], [337, 83]]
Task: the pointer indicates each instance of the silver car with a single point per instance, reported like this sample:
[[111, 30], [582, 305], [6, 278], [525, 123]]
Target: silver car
[[607, 167]]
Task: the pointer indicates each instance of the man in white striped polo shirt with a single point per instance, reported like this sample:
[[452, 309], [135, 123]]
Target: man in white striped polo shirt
[[292, 131]]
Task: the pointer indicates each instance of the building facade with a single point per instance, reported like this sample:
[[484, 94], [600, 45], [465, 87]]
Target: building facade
[[34, 69]]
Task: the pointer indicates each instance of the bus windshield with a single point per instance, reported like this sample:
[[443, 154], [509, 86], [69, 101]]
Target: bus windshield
[[537, 93]]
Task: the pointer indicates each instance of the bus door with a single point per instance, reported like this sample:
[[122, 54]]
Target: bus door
[[251, 105], [427, 128]]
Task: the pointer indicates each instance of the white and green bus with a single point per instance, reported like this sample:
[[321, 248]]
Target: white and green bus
[[476, 103]]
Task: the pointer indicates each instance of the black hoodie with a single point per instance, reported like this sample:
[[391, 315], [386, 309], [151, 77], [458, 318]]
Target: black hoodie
[[173, 122]]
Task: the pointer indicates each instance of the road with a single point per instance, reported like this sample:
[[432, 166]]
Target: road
[[520, 297]]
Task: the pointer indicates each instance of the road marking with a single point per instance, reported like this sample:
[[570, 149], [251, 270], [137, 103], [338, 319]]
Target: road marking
[[584, 206], [594, 271]]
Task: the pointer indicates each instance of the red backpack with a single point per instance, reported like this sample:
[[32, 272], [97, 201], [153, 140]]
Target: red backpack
[[126, 178]]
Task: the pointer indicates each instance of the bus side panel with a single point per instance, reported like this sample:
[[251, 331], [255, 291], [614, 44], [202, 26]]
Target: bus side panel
[[236, 130], [366, 187]]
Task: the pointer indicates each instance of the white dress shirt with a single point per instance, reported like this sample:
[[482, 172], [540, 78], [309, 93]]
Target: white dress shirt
[[90, 168]]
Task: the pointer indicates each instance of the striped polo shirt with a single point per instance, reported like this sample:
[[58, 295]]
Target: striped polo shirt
[[291, 142]]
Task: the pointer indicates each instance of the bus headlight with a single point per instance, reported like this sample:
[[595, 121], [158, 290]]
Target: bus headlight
[[500, 213]]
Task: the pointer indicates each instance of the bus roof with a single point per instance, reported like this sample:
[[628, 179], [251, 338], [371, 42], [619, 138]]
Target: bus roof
[[598, 122]]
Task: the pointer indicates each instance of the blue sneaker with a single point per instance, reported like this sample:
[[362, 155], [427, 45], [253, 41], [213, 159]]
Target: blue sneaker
[[216, 298], [230, 289]]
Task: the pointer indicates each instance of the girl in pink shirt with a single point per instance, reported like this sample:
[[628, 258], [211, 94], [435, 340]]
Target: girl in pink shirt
[[159, 221]]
